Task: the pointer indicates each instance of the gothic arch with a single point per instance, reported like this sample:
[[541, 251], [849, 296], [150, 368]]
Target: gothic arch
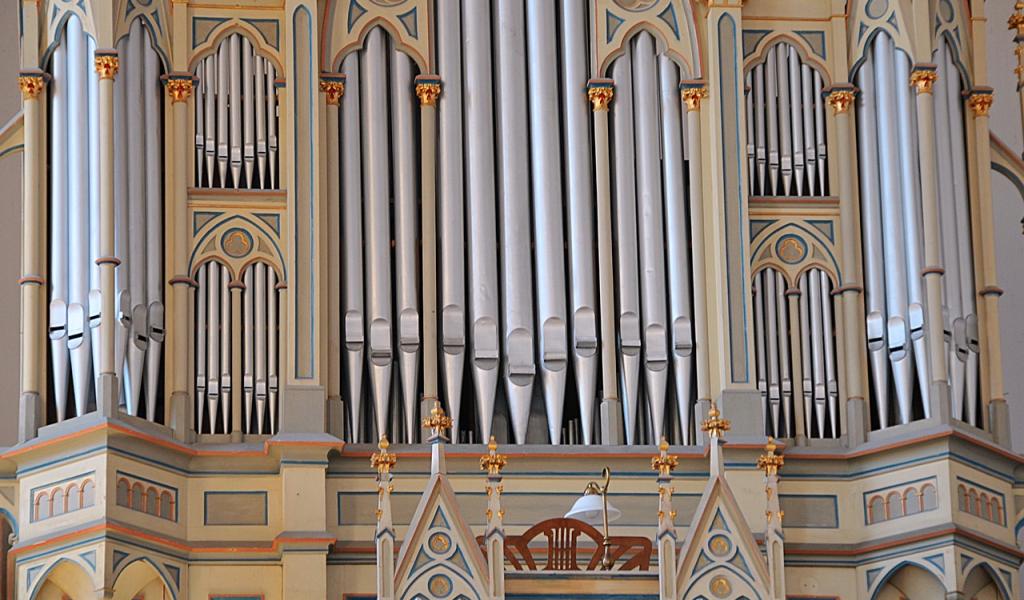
[[983, 583], [141, 576], [908, 580], [64, 578], [222, 31], [759, 53]]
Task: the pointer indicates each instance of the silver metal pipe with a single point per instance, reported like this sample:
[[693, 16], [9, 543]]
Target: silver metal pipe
[[483, 264], [748, 97], [213, 344], [796, 115], [785, 375], [771, 309], [910, 196], [760, 351], [377, 221], [546, 163], [817, 352], [677, 244], [58, 321], [273, 318], [225, 349], [771, 74], [873, 258], [137, 243], [200, 135], [808, 92], [122, 302], [892, 222], [223, 97], [95, 300], [819, 132], [210, 85], [235, 109], [513, 171], [260, 108], [406, 235], [785, 124], [759, 133], [153, 94], [261, 346], [271, 125], [807, 383], [200, 348], [79, 342], [831, 384], [248, 104], [352, 242], [451, 209], [626, 233], [248, 343]]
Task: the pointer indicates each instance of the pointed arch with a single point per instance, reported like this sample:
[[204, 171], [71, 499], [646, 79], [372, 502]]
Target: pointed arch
[[808, 56], [141, 574], [911, 580], [983, 583], [223, 31], [65, 575]]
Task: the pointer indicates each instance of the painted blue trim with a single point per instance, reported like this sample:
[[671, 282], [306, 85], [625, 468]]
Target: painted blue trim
[[119, 473], [217, 21], [998, 168], [164, 576], [310, 94], [894, 486], [38, 583], [32, 492], [10, 519], [812, 232], [888, 575], [212, 229], [12, 150], [1002, 500], [266, 506], [276, 44]]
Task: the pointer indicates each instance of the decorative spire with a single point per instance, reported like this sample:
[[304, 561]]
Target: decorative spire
[[383, 461], [714, 425], [664, 462], [492, 462], [438, 421], [770, 462]]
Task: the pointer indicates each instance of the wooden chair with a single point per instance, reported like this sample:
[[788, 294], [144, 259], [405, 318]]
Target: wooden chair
[[562, 552]]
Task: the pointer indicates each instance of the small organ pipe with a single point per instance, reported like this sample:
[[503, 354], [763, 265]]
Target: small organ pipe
[[796, 120], [224, 82], [831, 385], [235, 109], [759, 133], [451, 207], [748, 97], [260, 108], [248, 104], [260, 332], [225, 349], [406, 236], [58, 326], [213, 344], [352, 240], [273, 387], [807, 387], [513, 172], [782, 53], [152, 92], [784, 356], [807, 110], [819, 131], [546, 161], [817, 352], [483, 276], [271, 125], [872, 242], [199, 103], [678, 250], [626, 255], [200, 349], [771, 71], [771, 309], [248, 339], [378, 240], [210, 87]]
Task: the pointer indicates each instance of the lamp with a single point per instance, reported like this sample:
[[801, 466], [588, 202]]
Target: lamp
[[593, 508]]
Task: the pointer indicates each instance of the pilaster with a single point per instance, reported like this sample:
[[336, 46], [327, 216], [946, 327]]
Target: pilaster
[[333, 87]]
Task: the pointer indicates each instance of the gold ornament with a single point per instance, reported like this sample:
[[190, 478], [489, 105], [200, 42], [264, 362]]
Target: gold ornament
[[714, 425], [428, 92], [179, 88], [438, 421], [693, 95], [31, 85], [383, 461], [770, 462], [492, 462], [107, 65], [1016, 20], [923, 80], [600, 96], [841, 101], [663, 463], [334, 90], [980, 103]]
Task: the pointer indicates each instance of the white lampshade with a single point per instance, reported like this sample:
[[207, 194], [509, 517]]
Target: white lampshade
[[589, 510]]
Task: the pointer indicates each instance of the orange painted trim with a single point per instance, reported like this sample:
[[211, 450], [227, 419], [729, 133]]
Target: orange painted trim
[[909, 540]]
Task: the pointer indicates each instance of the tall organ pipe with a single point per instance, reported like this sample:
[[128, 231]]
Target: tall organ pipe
[[771, 309], [352, 220], [759, 133], [831, 385], [272, 323], [807, 384], [78, 214], [450, 209], [785, 123], [248, 340], [136, 258], [248, 142], [772, 98], [871, 219], [807, 94], [154, 228], [626, 231], [121, 201], [513, 171], [213, 343], [95, 300], [223, 91], [760, 352], [210, 87], [406, 234], [225, 349], [201, 339], [545, 155], [817, 351], [59, 229], [271, 125], [260, 333], [819, 131], [260, 67], [483, 276], [235, 108], [892, 222], [784, 354], [678, 250], [378, 241], [796, 121]]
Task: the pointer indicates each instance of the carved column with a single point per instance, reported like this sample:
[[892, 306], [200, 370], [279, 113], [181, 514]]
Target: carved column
[[107, 64], [32, 84], [333, 87], [428, 89]]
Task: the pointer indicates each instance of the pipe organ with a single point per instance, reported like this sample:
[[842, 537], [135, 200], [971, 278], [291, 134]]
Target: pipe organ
[[75, 302], [236, 118]]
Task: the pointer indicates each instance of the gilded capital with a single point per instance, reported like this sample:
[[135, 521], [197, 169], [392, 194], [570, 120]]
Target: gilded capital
[[693, 92], [31, 85], [179, 88], [333, 88], [107, 64], [980, 101], [600, 93], [841, 100], [1016, 21], [923, 78], [428, 89]]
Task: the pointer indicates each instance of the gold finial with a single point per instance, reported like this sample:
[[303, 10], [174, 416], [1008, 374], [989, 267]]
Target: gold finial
[[600, 94], [179, 88], [714, 425], [438, 421], [31, 85], [663, 463], [107, 64], [841, 101], [923, 78], [770, 462], [383, 461], [1016, 20], [692, 95], [980, 103], [428, 91], [492, 462], [334, 89]]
